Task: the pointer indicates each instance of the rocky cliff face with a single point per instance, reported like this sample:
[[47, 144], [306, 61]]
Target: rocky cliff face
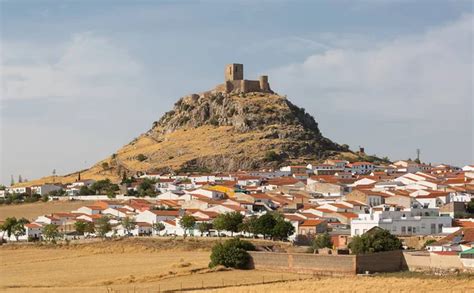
[[218, 131], [254, 130]]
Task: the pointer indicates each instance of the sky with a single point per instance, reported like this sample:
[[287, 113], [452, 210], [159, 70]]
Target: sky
[[80, 79]]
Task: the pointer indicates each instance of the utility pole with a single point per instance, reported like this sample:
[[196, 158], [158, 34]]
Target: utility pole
[[418, 151]]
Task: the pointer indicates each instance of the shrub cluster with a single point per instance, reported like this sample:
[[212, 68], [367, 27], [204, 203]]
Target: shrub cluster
[[231, 254]]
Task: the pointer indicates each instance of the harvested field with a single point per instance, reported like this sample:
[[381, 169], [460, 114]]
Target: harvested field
[[382, 283], [33, 210], [119, 266], [167, 264]]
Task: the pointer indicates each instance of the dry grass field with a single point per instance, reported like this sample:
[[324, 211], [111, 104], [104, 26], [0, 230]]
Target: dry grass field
[[389, 283], [166, 265], [140, 265], [33, 210]]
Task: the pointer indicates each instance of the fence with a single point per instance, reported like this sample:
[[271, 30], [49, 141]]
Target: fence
[[181, 284]]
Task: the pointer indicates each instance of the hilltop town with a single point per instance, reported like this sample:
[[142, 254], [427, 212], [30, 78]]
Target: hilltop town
[[240, 160]]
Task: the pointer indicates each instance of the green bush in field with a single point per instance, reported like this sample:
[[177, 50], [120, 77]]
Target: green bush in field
[[231, 254]]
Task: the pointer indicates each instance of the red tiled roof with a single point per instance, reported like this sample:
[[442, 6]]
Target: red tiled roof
[[311, 223]]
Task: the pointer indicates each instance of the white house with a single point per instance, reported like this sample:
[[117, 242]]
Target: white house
[[48, 220], [210, 193], [44, 189], [33, 231], [361, 167], [401, 222], [89, 210], [155, 216]]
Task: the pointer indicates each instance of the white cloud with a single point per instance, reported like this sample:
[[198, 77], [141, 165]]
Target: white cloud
[[424, 81], [86, 66]]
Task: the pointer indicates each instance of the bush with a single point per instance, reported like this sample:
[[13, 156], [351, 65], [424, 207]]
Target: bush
[[141, 157], [322, 241], [376, 241], [232, 253], [271, 156]]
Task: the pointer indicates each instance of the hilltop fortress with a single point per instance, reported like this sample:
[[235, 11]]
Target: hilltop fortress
[[235, 82]]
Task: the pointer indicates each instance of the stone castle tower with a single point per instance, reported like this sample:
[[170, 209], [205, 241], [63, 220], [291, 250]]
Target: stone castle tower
[[234, 81]]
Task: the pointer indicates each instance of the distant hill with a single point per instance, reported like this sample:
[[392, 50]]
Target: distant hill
[[230, 128]]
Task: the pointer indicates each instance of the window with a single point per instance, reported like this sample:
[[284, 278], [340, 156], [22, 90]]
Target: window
[[404, 230], [414, 230], [356, 231], [423, 226], [433, 228], [440, 228], [394, 228], [409, 229]]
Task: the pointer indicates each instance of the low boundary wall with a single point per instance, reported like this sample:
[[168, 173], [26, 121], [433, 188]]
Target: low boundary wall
[[327, 264]]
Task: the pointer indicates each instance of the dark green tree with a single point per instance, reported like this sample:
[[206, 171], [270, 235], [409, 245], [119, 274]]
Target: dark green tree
[[187, 222], [265, 225], [51, 232], [204, 227], [103, 226], [375, 241], [282, 230], [322, 241]]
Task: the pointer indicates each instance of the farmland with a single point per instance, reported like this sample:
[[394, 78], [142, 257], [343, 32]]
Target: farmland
[[33, 210], [151, 265]]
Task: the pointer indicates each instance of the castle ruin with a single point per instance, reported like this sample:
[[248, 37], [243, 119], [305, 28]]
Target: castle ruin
[[235, 82]]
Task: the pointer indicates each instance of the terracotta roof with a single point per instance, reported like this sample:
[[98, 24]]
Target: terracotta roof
[[165, 212], [465, 224], [311, 223], [33, 225], [466, 235]]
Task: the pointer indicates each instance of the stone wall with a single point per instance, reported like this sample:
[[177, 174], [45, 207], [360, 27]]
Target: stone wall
[[388, 261], [304, 263]]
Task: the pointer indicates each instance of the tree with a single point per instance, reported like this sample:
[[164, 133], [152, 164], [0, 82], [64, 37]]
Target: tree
[[470, 207], [18, 230], [83, 227], [375, 241], [204, 227], [84, 190], [265, 224], [219, 224], [232, 253], [230, 222], [249, 225], [146, 188], [44, 198], [282, 229], [51, 232], [128, 224], [103, 226], [233, 221], [158, 227], [271, 156], [187, 222], [8, 225], [322, 241]]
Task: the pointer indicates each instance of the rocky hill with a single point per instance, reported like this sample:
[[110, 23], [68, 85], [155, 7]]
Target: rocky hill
[[241, 124]]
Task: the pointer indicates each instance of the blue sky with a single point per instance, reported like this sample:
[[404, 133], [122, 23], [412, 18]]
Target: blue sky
[[82, 78]]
